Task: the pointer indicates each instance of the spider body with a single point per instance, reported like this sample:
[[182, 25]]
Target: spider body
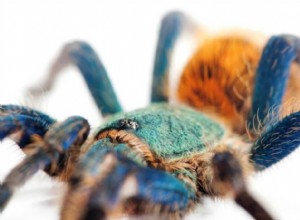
[[180, 125], [162, 159], [179, 132], [225, 66]]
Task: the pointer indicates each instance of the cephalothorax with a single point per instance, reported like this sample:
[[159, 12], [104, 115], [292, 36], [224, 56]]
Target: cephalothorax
[[159, 161]]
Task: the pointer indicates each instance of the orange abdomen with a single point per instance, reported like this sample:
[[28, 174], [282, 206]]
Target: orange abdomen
[[219, 79]]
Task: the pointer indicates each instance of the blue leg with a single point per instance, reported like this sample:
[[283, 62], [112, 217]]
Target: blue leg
[[171, 27], [115, 182], [271, 78], [58, 140], [277, 142], [24, 121], [85, 58], [22, 110]]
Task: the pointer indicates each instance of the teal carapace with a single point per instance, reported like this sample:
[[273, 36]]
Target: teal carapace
[[170, 131]]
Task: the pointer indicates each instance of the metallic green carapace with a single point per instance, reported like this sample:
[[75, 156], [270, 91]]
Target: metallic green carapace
[[171, 132]]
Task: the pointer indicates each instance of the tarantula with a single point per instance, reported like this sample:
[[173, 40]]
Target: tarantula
[[162, 159]]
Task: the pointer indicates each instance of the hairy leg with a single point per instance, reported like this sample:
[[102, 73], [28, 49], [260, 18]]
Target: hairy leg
[[271, 79], [277, 142], [171, 27], [48, 153], [91, 68], [22, 123]]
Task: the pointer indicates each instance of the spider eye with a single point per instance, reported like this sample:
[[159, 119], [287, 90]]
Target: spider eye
[[128, 124]]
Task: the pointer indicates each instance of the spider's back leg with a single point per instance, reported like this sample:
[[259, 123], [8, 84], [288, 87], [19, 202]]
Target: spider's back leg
[[108, 184], [279, 137], [171, 27], [277, 142], [271, 79], [85, 58]]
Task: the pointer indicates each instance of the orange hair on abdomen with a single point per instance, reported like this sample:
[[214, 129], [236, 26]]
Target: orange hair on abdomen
[[219, 78]]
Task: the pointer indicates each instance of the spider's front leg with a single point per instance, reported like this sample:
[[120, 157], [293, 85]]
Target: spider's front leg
[[21, 123], [107, 184], [53, 152]]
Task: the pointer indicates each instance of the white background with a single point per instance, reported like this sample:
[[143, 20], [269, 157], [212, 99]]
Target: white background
[[124, 33]]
